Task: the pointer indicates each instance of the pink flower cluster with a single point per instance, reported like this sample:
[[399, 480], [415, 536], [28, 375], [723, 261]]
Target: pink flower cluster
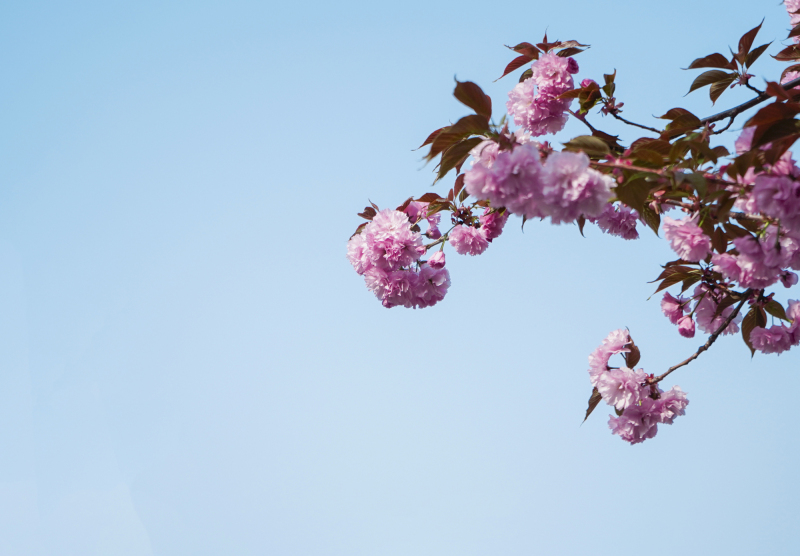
[[385, 253], [474, 240], [779, 338], [761, 262], [543, 112], [563, 188], [641, 407], [706, 301], [793, 6], [686, 238], [618, 220]]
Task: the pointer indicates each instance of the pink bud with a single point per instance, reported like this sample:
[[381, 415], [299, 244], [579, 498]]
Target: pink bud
[[433, 233], [437, 261], [686, 326], [788, 279]]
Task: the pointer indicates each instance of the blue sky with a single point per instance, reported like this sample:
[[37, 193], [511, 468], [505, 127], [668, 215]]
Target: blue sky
[[189, 365]]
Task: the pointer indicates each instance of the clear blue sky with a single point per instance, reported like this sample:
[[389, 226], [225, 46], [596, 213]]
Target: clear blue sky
[[189, 365]]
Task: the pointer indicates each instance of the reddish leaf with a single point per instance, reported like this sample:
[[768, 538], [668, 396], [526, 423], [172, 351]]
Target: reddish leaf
[[746, 42], [429, 198], [525, 75], [715, 60], [592, 146], [405, 204], [430, 138], [471, 95], [567, 52], [708, 78], [516, 63], [778, 91], [359, 229], [459, 185], [719, 87], [368, 214], [456, 155], [633, 356], [581, 224], [791, 52], [594, 399], [526, 49], [755, 54], [773, 113]]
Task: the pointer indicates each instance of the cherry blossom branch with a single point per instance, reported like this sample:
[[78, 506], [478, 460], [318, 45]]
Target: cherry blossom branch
[[736, 110], [583, 119], [704, 347]]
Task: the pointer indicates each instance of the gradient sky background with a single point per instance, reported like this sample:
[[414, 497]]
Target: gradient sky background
[[189, 365]]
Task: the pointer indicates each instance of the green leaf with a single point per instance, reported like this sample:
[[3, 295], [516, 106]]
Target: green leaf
[[634, 193], [776, 310], [592, 146], [594, 399]]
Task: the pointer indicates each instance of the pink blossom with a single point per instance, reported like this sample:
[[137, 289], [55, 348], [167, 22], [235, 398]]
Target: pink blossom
[[390, 243], [396, 287], [572, 189], [672, 403], [622, 387], [745, 140], [788, 279], [760, 262], [468, 240], [686, 238], [356, 253], [613, 344], [686, 326], [793, 6], [636, 424], [431, 286], [705, 313], [618, 220], [437, 260], [779, 197], [673, 308], [586, 82], [492, 223], [513, 180], [543, 112], [775, 339]]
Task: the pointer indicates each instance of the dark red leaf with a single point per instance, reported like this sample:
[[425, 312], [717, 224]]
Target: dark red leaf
[[567, 52], [791, 52], [516, 63], [459, 185], [526, 49], [715, 60], [746, 42], [471, 95], [594, 399], [430, 138], [429, 198], [774, 112], [456, 155], [755, 54], [719, 87], [709, 77], [368, 214]]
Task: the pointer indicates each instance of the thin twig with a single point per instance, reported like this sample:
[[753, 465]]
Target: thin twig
[[704, 347], [620, 118], [583, 119], [757, 91], [736, 110], [730, 121]]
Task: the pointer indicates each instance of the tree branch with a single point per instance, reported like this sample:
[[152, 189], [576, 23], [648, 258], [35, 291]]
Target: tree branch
[[704, 347], [736, 110], [620, 118]]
